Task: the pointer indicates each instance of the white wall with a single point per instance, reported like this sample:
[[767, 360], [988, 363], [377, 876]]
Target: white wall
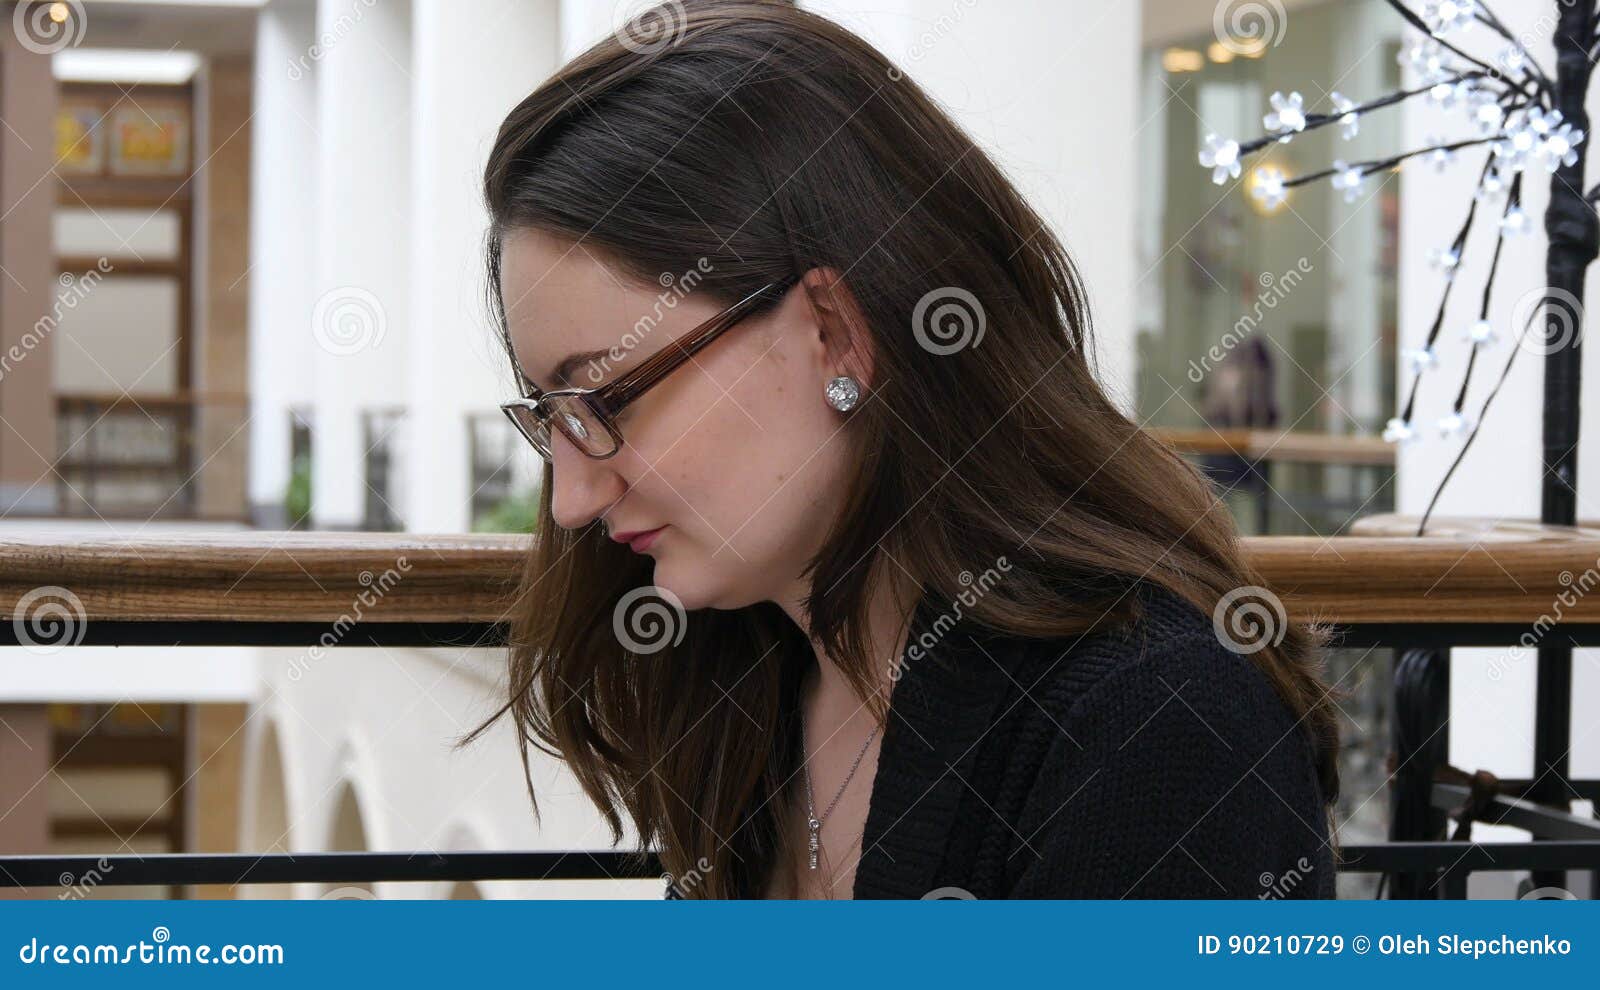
[[384, 721], [1051, 92]]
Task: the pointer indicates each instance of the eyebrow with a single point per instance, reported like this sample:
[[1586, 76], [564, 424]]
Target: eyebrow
[[572, 362]]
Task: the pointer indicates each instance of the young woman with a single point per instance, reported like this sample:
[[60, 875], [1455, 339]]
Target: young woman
[[849, 579]]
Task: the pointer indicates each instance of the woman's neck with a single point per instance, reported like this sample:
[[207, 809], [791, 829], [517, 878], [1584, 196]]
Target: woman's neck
[[889, 619]]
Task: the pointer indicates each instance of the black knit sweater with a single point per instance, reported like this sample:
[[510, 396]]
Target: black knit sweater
[[1148, 761]]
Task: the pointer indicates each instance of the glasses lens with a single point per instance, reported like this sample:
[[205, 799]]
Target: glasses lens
[[532, 427], [578, 422]]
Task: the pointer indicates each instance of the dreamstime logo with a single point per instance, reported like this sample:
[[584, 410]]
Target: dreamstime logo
[[947, 320], [76, 888], [972, 589], [1562, 326], [1246, 27], [924, 42], [1274, 888], [47, 28], [645, 625], [336, 32], [1548, 894], [1249, 619], [351, 893], [1577, 587], [1274, 290], [674, 289], [648, 27], [949, 894], [49, 618], [374, 588], [348, 320], [1513, 58], [74, 290], [690, 880]]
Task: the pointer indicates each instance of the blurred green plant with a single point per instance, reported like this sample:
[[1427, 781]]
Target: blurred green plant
[[297, 496], [518, 513]]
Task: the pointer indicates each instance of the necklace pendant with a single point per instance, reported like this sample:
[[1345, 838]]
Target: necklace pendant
[[813, 826]]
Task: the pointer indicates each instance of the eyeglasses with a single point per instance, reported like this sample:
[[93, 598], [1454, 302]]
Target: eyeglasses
[[587, 416]]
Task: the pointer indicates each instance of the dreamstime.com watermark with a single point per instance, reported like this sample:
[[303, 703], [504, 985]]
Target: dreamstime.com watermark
[[1561, 324], [74, 290], [649, 25], [348, 320], [49, 619], [1276, 887], [1512, 60], [1275, 289], [1577, 587], [973, 589], [924, 43], [159, 951], [681, 886], [649, 619], [374, 588], [337, 31], [674, 289], [1249, 619], [76, 888], [948, 319], [45, 28], [1248, 27]]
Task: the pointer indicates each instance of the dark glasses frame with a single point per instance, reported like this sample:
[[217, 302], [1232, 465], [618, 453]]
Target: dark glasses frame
[[534, 413]]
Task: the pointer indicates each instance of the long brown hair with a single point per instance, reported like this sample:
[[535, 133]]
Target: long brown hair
[[771, 141]]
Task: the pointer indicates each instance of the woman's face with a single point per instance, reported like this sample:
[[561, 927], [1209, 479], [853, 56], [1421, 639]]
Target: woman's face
[[736, 455]]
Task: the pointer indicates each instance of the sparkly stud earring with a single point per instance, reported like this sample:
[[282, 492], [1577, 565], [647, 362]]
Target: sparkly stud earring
[[842, 393]]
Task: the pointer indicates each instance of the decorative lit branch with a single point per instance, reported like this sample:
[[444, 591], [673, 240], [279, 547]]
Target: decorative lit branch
[[1517, 109]]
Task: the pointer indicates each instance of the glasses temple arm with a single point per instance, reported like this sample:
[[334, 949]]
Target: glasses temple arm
[[619, 393]]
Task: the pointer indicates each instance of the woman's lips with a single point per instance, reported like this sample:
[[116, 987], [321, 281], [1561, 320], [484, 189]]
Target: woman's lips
[[641, 542]]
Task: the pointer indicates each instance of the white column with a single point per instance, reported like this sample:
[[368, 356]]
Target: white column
[[359, 319], [283, 218], [468, 73]]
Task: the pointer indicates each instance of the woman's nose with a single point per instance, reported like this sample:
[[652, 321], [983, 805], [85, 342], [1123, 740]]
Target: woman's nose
[[584, 486]]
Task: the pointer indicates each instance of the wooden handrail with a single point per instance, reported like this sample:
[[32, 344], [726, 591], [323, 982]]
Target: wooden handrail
[[267, 576], [1273, 445], [316, 576], [178, 400]]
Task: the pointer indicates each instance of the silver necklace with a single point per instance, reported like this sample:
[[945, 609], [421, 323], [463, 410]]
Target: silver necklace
[[813, 822]]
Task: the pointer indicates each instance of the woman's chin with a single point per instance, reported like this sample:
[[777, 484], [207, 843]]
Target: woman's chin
[[694, 588], [670, 578]]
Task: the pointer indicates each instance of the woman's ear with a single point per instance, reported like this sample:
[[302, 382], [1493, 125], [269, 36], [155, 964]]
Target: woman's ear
[[843, 342]]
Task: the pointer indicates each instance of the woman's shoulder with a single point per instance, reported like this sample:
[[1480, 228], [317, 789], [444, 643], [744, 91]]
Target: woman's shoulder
[[1161, 746], [1171, 652]]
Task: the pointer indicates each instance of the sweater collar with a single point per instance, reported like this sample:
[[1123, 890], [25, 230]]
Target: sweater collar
[[939, 709]]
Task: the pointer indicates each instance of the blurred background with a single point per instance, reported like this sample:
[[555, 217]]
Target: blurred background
[[241, 248]]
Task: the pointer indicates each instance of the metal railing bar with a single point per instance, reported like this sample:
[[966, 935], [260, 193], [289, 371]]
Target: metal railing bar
[[329, 867], [1543, 822], [268, 632], [1414, 857], [371, 867]]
